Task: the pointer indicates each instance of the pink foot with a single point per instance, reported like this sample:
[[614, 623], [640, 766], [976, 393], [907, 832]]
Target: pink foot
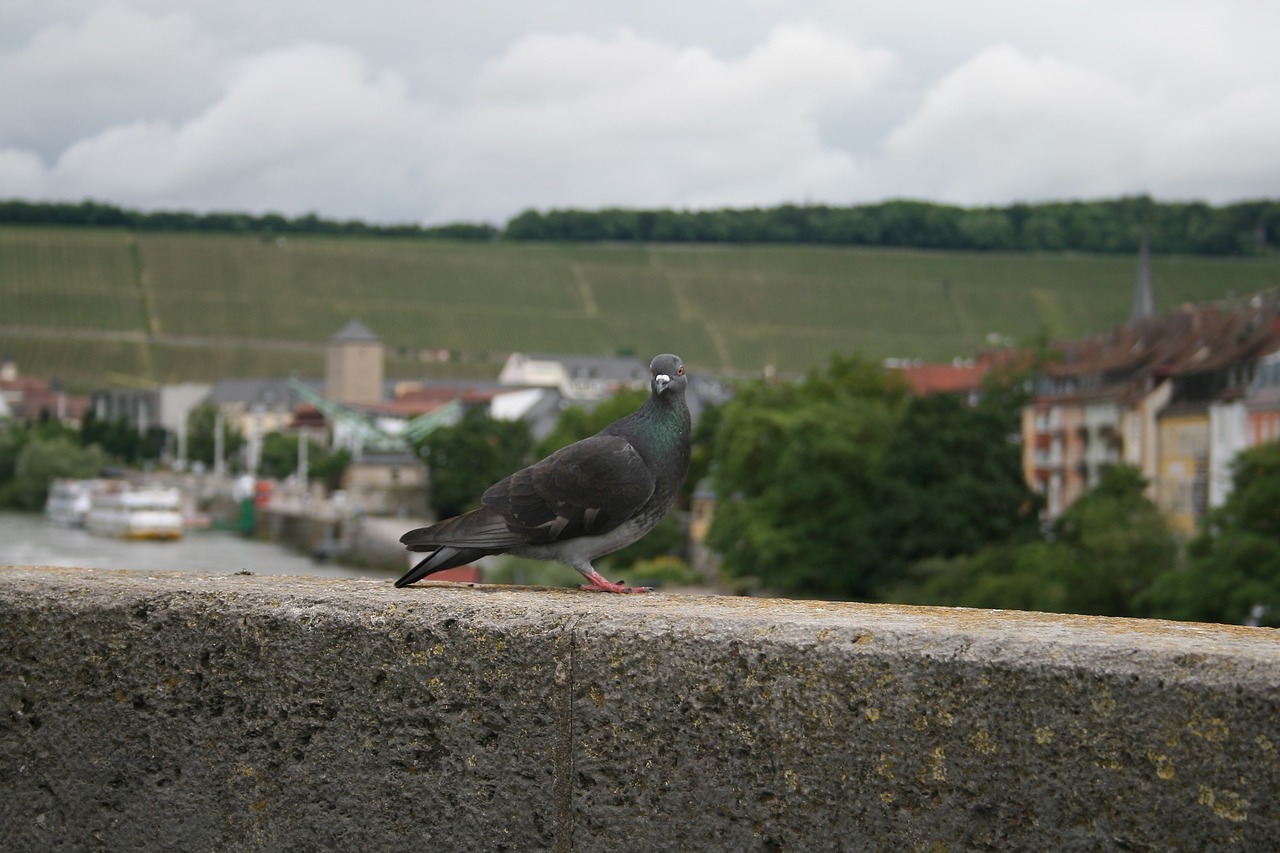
[[599, 584]]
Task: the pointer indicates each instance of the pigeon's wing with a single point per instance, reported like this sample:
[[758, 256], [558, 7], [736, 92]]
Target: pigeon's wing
[[481, 528], [584, 489]]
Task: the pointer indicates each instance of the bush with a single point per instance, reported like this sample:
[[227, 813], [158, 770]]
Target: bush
[[43, 460]]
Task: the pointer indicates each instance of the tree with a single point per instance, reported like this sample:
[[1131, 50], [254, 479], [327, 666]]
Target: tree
[[797, 471], [279, 459], [1119, 545], [330, 466], [953, 481], [13, 438], [468, 457], [1006, 576], [837, 485], [44, 459], [578, 422], [200, 438], [1234, 564], [279, 455], [986, 229], [121, 440], [1105, 553]]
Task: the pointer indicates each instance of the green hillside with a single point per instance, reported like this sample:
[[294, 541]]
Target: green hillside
[[79, 303]]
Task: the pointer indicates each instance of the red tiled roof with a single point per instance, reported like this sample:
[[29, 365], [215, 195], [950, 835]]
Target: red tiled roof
[[1192, 339], [958, 378], [945, 378]]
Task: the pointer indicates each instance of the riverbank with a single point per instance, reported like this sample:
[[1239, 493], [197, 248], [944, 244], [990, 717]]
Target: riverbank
[[30, 539]]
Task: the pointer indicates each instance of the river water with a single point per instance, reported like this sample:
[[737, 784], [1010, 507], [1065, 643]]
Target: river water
[[31, 540]]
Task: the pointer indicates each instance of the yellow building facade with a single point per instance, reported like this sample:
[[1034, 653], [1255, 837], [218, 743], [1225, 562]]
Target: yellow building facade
[[1182, 484]]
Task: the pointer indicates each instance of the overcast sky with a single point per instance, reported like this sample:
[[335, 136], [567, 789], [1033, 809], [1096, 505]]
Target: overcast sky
[[443, 110]]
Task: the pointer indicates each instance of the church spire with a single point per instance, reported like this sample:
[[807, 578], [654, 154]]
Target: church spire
[[1144, 296]]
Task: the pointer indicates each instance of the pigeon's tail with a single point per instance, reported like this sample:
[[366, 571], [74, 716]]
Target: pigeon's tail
[[480, 528], [457, 541], [446, 557]]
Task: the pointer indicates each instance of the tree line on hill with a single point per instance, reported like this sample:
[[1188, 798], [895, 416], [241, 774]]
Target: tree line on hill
[[1084, 226], [1114, 225], [99, 215]]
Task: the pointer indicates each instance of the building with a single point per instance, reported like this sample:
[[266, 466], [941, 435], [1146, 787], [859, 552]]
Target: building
[[1177, 396], [1054, 447], [1262, 402], [1206, 421], [577, 378], [138, 407], [353, 372], [256, 406], [387, 483], [1182, 484], [29, 398], [961, 376], [702, 512]]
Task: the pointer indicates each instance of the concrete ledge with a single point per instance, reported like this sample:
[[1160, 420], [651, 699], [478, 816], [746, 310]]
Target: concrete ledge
[[184, 711]]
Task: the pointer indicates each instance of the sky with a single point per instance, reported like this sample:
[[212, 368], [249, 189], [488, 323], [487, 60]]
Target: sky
[[436, 111]]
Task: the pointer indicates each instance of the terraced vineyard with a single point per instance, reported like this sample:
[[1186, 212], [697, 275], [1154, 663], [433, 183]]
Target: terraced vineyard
[[82, 303]]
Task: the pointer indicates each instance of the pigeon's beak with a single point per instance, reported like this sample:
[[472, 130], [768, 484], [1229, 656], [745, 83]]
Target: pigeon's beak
[[660, 382]]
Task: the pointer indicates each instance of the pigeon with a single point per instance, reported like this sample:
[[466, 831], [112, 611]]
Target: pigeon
[[586, 500]]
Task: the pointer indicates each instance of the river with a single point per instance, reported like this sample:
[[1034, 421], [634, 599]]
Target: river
[[31, 540]]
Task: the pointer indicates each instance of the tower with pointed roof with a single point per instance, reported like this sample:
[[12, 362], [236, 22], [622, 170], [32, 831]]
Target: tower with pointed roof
[[1144, 295], [354, 366]]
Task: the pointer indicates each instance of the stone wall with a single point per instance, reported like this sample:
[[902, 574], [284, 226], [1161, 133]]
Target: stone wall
[[184, 711]]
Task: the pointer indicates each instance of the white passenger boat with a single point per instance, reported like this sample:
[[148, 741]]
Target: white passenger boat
[[136, 512], [69, 500]]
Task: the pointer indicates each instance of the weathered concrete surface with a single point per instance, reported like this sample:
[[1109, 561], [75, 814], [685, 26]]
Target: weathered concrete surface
[[182, 711]]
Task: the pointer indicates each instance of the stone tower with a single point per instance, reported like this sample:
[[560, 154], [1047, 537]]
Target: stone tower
[[353, 366]]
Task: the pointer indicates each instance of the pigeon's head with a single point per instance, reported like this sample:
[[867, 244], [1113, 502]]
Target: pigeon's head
[[666, 374]]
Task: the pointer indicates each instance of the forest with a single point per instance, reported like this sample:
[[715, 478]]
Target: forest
[[1115, 225], [100, 215]]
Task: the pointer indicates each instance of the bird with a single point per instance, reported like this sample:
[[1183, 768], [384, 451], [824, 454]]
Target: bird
[[586, 500]]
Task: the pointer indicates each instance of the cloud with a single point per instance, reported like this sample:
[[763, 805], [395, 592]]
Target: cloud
[[555, 120], [1003, 126], [576, 120], [407, 114], [1228, 147], [21, 173], [117, 64], [294, 129]]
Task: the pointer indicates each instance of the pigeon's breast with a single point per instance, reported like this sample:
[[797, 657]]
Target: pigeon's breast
[[584, 549]]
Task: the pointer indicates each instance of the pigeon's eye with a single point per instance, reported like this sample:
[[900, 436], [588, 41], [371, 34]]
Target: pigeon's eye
[[680, 370]]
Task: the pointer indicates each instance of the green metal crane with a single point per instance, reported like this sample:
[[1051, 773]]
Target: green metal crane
[[369, 435]]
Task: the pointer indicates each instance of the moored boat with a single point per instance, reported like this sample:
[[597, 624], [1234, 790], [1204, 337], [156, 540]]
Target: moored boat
[[69, 501], [136, 512]]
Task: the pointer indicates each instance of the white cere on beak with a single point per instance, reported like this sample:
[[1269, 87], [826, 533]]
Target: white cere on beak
[[662, 380]]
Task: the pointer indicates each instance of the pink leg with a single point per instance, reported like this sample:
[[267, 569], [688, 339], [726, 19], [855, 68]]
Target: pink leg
[[599, 584]]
